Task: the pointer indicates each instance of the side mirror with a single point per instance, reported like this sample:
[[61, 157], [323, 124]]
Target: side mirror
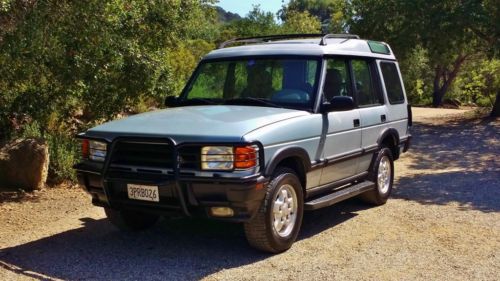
[[171, 101], [339, 103]]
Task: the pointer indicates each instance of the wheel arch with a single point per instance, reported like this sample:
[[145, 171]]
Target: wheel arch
[[390, 137], [293, 157]]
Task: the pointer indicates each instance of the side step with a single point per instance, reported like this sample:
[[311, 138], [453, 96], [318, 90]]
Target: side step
[[338, 196]]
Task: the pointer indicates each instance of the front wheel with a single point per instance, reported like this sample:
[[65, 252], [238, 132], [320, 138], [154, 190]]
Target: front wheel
[[383, 176], [130, 220], [276, 225]]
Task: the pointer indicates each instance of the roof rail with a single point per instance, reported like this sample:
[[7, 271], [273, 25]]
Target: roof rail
[[343, 35], [267, 38]]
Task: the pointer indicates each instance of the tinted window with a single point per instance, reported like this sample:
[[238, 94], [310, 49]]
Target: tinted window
[[365, 91], [284, 82], [392, 82], [337, 82]]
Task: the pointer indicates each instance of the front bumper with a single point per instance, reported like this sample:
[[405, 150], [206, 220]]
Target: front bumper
[[189, 196]]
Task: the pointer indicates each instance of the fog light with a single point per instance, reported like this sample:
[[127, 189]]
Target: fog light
[[221, 212]]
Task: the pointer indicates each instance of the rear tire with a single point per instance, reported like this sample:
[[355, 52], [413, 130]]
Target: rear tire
[[129, 220], [276, 225], [383, 177]]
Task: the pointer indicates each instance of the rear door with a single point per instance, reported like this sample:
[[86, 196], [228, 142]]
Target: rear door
[[397, 113], [372, 110]]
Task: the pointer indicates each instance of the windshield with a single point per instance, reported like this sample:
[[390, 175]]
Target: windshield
[[276, 82]]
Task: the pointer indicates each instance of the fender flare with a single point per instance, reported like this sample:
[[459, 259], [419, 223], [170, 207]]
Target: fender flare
[[287, 152], [393, 133], [389, 132]]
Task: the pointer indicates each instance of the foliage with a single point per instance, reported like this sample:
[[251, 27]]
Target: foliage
[[417, 75], [481, 82], [68, 65], [445, 29], [63, 150], [256, 23], [97, 55], [322, 9], [301, 22]]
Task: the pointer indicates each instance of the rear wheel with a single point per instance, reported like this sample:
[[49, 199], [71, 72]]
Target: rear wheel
[[276, 226], [383, 176], [130, 220]]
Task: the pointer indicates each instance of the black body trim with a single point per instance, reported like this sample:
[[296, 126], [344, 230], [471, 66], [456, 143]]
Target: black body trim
[[339, 195], [389, 132], [327, 187], [287, 152]]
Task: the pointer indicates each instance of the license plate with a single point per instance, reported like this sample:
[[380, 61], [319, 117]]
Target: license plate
[[143, 192]]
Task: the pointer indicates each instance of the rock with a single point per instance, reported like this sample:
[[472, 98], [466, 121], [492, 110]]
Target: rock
[[24, 163]]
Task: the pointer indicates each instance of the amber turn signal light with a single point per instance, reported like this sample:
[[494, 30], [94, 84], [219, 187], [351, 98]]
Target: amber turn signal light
[[245, 157], [85, 149]]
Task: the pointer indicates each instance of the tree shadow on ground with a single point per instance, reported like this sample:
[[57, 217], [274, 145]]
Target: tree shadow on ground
[[16, 195], [177, 249], [456, 144], [470, 190], [456, 161]]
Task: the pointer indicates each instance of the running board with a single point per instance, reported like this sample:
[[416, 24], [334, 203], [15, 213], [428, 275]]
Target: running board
[[338, 196]]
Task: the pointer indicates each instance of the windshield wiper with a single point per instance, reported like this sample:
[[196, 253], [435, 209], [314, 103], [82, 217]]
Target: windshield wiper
[[199, 101], [247, 100]]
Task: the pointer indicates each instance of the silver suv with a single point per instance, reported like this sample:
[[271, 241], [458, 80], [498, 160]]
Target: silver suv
[[262, 132]]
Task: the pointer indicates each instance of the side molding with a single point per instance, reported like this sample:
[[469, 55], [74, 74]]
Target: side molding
[[286, 152]]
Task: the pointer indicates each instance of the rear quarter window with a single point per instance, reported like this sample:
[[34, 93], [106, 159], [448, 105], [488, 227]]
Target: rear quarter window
[[392, 82]]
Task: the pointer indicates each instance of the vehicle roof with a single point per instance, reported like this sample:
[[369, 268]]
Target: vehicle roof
[[303, 47]]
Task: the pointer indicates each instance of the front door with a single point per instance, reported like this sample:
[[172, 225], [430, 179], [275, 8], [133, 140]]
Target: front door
[[343, 135]]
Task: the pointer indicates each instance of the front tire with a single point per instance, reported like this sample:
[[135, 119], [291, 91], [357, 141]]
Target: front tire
[[129, 220], [276, 225], [383, 176]]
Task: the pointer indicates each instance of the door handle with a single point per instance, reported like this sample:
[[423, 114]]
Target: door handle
[[355, 123], [383, 118]]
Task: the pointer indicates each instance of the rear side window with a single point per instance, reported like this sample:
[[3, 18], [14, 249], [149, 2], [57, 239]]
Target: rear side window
[[392, 82], [337, 82], [363, 82]]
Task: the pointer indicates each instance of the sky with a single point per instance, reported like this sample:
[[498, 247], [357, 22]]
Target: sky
[[242, 7]]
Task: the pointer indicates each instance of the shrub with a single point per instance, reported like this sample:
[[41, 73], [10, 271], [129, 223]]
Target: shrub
[[63, 151]]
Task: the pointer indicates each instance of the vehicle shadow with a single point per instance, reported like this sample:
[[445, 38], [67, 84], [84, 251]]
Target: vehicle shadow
[[456, 161], [177, 249]]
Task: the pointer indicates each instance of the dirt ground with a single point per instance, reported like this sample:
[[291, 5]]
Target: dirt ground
[[443, 222]]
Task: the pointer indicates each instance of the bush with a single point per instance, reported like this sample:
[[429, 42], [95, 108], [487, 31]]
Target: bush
[[63, 151]]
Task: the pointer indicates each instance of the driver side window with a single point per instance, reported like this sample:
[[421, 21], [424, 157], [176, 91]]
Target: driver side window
[[337, 81]]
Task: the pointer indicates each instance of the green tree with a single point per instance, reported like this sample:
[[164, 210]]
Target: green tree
[[256, 23], [445, 29], [98, 56], [64, 62], [322, 9], [301, 22]]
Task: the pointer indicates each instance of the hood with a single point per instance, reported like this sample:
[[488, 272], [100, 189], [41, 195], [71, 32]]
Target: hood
[[211, 123]]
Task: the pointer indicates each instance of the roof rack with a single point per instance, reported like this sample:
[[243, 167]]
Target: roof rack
[[268, 38], [343, 35]]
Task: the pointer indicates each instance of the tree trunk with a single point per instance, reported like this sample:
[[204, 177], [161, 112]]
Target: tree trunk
[[447, 77], [495, 112], [437, 97]]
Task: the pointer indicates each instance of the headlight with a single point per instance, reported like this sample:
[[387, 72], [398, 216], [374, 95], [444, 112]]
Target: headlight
[[97, 150], [217, 158]]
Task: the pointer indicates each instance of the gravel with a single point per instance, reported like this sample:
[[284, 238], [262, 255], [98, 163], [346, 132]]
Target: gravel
[[443, 222]]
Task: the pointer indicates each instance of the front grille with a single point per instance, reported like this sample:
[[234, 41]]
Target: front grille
[[149, 156]]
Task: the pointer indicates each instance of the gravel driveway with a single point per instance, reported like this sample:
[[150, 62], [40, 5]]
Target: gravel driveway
[[443, 222]]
